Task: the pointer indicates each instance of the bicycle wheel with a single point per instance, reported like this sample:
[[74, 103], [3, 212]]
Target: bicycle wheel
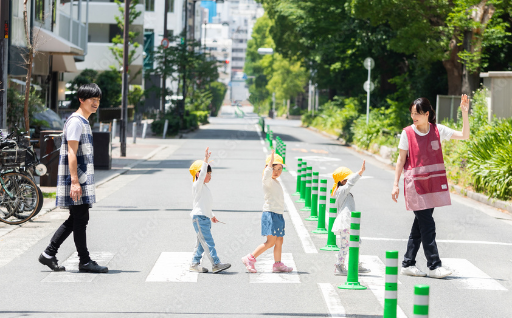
[[22, 205], [41, 199]]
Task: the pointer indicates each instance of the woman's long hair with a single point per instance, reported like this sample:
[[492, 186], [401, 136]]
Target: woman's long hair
[[422, 105]]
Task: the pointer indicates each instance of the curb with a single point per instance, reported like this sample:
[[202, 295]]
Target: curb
[[482, 198]]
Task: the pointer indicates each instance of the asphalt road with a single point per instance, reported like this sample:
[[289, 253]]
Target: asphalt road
[[141, 229]]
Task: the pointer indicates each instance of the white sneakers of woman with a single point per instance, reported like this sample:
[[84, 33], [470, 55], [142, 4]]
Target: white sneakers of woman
[[412, 271], [440, 272]]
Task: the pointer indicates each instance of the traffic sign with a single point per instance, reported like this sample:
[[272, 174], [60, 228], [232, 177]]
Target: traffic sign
[[165, 43], [369, 63], [370, 84]]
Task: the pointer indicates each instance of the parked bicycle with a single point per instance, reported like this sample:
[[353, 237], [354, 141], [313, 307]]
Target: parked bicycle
[[20, 197]]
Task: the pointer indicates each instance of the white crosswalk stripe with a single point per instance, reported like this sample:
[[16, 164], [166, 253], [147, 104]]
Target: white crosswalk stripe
[[468, 276], [332, 300], [173, 267], [72, 275], [264, 267]]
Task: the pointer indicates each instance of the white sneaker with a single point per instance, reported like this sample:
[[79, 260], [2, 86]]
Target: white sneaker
[[340, 270], [412, 271], [440, 272]]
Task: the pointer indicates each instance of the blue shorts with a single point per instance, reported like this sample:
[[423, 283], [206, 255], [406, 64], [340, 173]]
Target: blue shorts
[[272, 224]]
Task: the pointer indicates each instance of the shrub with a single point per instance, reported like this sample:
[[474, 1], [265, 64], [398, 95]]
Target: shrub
[[202, 116], [218, 91]]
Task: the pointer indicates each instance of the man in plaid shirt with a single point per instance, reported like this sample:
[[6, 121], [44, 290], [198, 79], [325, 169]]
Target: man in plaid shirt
[[75, 182]]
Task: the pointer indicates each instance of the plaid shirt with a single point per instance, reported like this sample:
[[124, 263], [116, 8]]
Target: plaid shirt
[[85, 168]]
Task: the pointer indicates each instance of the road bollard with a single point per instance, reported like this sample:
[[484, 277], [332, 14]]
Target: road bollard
[[331, 238], [307, 201], [101, 126], [421, 299], [134, 130], [314, 198], [322, 203], [114, 129], [144, 130], [299, 176], [271, 140], [391, 285], [303, 184], [353, 254], [166, 125]]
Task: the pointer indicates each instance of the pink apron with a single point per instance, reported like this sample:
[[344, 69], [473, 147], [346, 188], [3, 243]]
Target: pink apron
[[425, 183]]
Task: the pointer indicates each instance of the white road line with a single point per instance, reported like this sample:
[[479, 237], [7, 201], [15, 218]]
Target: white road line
[[262, 142], [265, 150], [149, 162], [438, 241], [72, 275], [332, 300], [375, 279], [173, 267], [264, 267], [468, 276], [317, 158], [293, 173], [302, 232]]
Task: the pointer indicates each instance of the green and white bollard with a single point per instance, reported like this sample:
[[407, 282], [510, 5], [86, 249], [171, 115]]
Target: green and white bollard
[[303, 184], [299, 176], [314, 198], [331, 238], [271, 140], [391, 285], [284, 156], [353, 254], [322, 203], [307, 201], [421, 295]]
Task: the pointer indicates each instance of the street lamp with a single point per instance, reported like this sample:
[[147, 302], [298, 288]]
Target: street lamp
[[368, 86], [269, 51]]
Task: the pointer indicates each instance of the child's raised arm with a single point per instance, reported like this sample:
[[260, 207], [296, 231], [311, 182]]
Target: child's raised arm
[[363, 168]]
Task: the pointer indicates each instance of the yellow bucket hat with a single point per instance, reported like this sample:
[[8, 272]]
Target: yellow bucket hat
[[338, 175], [277, 159], [195, 168]]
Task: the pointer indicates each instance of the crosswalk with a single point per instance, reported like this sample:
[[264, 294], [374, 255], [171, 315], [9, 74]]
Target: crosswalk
[[72, 275]]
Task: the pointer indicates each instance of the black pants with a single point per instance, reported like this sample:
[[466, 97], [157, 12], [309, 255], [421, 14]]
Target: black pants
[[423, 231], [76, 223]]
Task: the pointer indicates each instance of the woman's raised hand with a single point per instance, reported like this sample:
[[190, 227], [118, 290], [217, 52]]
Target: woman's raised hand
[[272, 158], [464, 103], [207, 155]]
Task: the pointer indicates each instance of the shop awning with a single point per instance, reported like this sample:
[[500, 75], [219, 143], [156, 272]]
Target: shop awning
[[64, 63], [54, 44]]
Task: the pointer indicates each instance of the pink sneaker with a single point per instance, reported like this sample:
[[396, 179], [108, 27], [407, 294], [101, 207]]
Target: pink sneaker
[[281, 268], [249, 261]]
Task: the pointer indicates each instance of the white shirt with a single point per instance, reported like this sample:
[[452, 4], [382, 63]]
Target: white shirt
[[74, 128], [445, 133], [203, 200], [272, 193], [345, 204]]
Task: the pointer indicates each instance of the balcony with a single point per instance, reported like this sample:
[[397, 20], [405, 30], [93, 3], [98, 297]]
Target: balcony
[[73, 31]]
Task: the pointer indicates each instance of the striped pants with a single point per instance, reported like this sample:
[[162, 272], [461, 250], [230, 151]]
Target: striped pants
[[204, 243]]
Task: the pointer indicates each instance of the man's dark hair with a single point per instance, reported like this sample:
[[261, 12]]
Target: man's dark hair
[[87, 91]]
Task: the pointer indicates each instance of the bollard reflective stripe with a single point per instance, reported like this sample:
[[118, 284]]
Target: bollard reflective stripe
[[333, 215], [314, 198], [307, 198], [355, 220], [299, 176], [302, 197]]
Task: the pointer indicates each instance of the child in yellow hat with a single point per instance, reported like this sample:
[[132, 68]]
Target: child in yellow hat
[[344, 180], [272, 221], [202, 217]]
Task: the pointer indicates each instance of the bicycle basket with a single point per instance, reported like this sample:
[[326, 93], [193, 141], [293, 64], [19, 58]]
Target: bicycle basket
[[12, 157]]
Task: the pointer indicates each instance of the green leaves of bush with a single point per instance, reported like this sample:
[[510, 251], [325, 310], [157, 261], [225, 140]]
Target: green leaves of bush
[[490, 160]]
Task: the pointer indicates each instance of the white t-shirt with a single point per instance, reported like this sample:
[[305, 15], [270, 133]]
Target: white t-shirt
[[445, 133], [74, 128], [203, 199], [272, 193]]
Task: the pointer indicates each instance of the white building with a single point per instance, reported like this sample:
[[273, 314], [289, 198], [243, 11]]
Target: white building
[[216, 41]]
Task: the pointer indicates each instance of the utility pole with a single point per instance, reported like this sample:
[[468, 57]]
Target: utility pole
[[184, 90], [4, 43], [124, 109], [164, 78]]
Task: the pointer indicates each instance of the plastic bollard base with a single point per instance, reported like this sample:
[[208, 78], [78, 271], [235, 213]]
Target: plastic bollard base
[[300, 201], [354, 286], [296, 194], [306, 209], [312, 218], [320, 231], [330, 248]]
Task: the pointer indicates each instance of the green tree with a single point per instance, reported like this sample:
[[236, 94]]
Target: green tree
[[87, 76], [110, 83], [118, 40]]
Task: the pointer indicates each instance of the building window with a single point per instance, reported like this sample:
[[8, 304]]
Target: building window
[[150, 5], [238, 59], [39, 10], [171, 6], [238, 50]]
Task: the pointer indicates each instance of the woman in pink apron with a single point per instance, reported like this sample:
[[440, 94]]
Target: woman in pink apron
[[425, 183]]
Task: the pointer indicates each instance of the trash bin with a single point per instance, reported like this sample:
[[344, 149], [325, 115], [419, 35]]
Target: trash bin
[[102, 145], [52, 161]]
